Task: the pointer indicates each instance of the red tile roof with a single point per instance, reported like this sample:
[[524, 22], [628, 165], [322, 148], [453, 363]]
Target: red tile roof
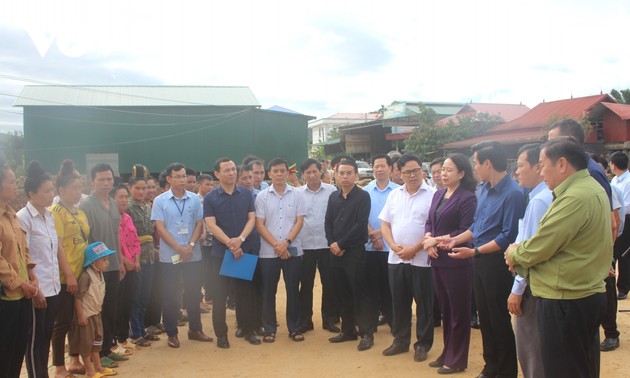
[[540, 115], [516, 137], [622, 110]]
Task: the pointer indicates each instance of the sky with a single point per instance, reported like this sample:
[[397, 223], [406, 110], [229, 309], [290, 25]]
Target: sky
[[321, 57]]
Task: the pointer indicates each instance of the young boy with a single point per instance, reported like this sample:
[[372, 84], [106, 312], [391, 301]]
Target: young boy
[[86, 335]]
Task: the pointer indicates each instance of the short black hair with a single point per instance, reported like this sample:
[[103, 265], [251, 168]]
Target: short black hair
[[35, 177], [395, 161], [117, 187], [162, 180], [568, 149], [406, 158], [350, 162], [174, 167], [191, 172], [217, 163], [382, 156], [493, 151], [253, 158], [533, 152], [620, 160], [599, 160], [203, 177], [569, 127], [435, 161], [308, 162], [277, 161], [463, 165], [100, 167]]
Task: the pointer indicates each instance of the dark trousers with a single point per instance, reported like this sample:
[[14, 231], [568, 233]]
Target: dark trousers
[[172, 276], [493, 283], [378, 281], [38, 345], [356, 305], [153, 314], [109, 310], [125, 300], [609, 321], [569, 331], [207, 280], [621, 244], [61, 327], [140, 300], [409, 283], [270, 274], [15, 318], [317, 259], [221, 286], [248, 314], [452, 287]]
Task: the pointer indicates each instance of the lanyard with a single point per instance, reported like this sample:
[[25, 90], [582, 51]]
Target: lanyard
[[181, 211]]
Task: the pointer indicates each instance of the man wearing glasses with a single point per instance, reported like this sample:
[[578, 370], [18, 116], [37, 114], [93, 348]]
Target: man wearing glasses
[[178, 217]]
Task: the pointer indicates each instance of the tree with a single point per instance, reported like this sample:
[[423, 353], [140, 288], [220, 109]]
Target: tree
[[12, 150], [333, 134], [622, 96]]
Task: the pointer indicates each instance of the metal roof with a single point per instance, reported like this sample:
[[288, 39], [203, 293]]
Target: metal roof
[[84, 95], [622, 110]]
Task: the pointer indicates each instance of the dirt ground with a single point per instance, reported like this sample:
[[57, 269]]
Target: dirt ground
[[315, 357]]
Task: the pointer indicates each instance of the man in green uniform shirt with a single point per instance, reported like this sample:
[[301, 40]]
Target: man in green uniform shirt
[[566, 262]]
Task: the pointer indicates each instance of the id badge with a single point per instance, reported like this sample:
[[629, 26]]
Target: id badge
[[176, 259], [182, 231]]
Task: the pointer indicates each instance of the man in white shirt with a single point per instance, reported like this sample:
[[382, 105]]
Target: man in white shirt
[[619, 166], [403, 219]]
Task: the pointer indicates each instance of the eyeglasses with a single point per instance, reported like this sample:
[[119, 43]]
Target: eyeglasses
[[410, 172]]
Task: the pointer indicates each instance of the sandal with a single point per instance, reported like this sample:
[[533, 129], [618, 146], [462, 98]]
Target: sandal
[[142, 342], [107, 362], [296, 336], [269, 338], [107, 372], [122, 351], [118, 357], [151, 337]]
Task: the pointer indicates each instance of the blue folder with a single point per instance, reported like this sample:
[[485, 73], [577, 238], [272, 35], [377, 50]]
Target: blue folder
[[242, 268]]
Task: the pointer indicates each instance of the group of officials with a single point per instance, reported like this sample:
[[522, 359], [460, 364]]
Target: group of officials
[[539, 247]]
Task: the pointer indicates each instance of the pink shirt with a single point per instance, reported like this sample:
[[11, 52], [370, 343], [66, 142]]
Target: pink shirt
[[129, 241]]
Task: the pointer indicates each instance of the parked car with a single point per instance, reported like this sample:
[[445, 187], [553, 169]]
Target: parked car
[[365, 170]]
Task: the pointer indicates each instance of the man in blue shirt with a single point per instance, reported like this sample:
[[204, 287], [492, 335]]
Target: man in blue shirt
[[230, 216], [521, 302], [501, 204], [178, 214], [377, 248]]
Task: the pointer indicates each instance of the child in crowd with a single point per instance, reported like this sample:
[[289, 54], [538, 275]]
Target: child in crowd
[[86, 334]]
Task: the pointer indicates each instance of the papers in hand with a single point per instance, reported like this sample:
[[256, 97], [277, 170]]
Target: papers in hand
[[242, 268]]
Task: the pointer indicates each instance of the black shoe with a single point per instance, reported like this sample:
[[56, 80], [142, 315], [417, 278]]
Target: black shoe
[[382, 320], [609, 344], [446, 370], [239, 333], [482, 375], [340, 338], [474, 323], [621, 296], [420, 354], [260, 332], [330, 326], [306, 327], [222, 342], [436, 363], [252, 339], [367, 341], [395, 348]]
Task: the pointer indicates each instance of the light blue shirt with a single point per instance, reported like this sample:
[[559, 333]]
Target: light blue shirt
[[540, 199], [617, 198], [378, 198], [180, 216], [313, 234], [280, 213], [623, 183]]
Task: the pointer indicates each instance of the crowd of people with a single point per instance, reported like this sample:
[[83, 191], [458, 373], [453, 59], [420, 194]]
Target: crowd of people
[[108, 273]]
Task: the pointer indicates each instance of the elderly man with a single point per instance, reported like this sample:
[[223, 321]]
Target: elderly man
[[566, 264]]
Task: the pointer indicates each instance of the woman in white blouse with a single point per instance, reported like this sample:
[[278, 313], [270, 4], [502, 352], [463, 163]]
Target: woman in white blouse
[[37, 221]]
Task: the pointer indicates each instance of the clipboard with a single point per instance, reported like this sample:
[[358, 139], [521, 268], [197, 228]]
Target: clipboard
[[243, 268]]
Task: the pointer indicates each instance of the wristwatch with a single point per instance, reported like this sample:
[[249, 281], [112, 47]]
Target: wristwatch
[[192, 244], [477, 253], [242, 239], [289, 241]]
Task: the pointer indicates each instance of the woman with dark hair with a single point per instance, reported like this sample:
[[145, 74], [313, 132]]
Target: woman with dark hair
[[41, 237], [72, 229], [452, 211], [18, 282]]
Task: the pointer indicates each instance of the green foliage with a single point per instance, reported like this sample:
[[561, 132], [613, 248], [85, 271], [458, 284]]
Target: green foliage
[[12, 150], [333, 134], [428, 139], [622, 96]]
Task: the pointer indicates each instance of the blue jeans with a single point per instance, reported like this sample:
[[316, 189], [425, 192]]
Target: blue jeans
[[270, 273], [173, 275], [140, 299]]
